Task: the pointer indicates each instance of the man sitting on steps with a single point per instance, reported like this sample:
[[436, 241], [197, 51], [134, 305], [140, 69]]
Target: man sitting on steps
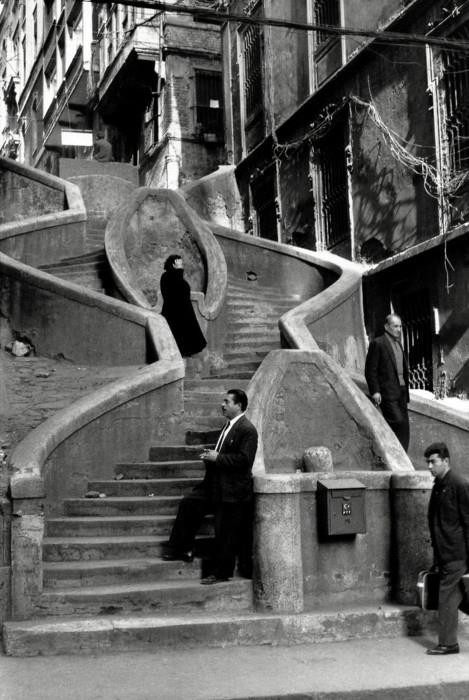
[[226, 491]]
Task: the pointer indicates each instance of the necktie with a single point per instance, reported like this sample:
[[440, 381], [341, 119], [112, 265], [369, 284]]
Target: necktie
[[222, 437]]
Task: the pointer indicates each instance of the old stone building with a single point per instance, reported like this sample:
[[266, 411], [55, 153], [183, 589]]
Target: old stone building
[[151, 81], [354, 145]]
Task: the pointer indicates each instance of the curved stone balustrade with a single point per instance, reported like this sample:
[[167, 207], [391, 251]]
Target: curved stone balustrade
[[34, 202], [55, 459]]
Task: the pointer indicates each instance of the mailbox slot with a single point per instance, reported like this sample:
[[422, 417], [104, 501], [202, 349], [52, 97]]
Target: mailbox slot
[[341, 507]]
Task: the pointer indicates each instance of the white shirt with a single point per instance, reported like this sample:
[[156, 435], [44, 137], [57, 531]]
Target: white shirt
[[223, 435]]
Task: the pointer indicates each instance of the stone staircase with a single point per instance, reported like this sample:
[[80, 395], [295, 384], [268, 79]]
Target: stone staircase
[[91, 269], [102, 556]]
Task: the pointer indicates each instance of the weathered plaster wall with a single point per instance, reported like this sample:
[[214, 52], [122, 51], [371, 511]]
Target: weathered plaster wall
[[299, 418], [23, 197], [297, 569], [273, 268], [216, 198], [391, 210], [343, 570], [155, 231], [64, 325], [286, 54]]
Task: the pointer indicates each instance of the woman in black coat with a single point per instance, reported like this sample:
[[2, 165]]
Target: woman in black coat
[[177, 308]]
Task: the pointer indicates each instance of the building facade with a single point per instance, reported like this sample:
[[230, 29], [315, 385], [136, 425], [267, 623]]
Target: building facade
[[353, 144], [150, 81]]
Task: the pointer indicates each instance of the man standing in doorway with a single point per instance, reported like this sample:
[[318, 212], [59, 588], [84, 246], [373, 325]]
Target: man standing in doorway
[[387, 375], [226, 491], [448, 518]]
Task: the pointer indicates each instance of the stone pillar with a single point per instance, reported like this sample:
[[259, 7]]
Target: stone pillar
[[411, 547], [278, 569], [27, 533]]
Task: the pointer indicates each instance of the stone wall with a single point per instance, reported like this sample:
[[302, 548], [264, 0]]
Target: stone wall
[[298, 569], [23, 197]]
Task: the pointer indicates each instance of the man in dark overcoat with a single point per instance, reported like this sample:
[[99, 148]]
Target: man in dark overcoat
[[448, 518], [387, 376], [226, 491]]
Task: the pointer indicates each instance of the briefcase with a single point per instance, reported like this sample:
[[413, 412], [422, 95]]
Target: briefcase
[[428, 587]]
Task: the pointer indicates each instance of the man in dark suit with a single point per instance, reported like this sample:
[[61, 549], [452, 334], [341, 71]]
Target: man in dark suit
[[387, 375], [226, 491], [448, 518]]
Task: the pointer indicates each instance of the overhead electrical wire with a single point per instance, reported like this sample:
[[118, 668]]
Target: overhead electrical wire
[[210, 15]]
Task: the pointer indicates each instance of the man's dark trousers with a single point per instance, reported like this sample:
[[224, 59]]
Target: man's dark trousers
[[230, 524], [396, 415], [450, 598]]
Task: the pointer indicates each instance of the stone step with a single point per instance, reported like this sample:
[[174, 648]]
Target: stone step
[[110, 547], [117, 633], [146, 505], [85, 573], [229, 373], [178, 453], [249, 355], [143, 487], [155, 470], [242, 326], [205, 423], [236, 368], [214, 384], [257, 292], [112, 525], [254, 342], [194, 408], [147, 596]]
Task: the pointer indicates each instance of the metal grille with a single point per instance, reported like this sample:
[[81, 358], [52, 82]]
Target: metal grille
[[263, 199], [416, 316], [334, 188], [456, 92], [326, 12], [208, 95], [252, 53]]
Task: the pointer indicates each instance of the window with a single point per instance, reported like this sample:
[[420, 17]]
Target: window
[[208, 104], [332, 187], [253, 82], [263, 193], [326, 12], [454, 105]]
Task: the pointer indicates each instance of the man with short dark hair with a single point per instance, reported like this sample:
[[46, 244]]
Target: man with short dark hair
[[448, 518], [226, 491], [387, 376]]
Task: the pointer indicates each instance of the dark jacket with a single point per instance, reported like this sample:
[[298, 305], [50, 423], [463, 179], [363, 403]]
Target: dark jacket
[[179, 313], [448, 518], [229, 479], [381, 369]]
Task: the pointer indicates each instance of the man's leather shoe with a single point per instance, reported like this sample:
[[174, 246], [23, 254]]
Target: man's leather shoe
[[210, 580], [178, 556], [441, 650]]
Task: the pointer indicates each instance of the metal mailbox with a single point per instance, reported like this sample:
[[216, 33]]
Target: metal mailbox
[[341, 507]]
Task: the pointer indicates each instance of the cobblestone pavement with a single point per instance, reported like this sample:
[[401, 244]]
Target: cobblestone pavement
[[34, 388]]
